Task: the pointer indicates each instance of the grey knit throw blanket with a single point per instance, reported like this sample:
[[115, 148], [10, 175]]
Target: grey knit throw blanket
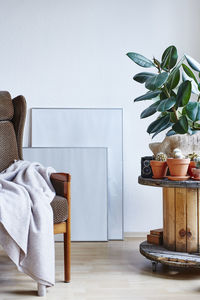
[[26, 219]]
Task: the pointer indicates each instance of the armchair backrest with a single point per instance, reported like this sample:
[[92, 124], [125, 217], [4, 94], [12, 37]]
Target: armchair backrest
[[12, 119]]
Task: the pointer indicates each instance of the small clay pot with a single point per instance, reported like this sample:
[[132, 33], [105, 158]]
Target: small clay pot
[[178, 166], [196, 173], [191, 166], [159, 168]]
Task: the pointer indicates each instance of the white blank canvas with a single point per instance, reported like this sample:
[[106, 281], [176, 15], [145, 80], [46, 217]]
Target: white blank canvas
[[74, 127], [88, 169]]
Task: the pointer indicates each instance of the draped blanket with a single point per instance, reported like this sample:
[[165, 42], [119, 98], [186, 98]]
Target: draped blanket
[[26, 219]]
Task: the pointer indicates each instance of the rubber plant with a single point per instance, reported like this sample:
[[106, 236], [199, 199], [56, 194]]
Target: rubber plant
[[170, 88]]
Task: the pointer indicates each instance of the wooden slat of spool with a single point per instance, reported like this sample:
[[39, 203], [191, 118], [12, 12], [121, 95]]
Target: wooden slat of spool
[[169, 234], [181, 206], [192, 222], [198, 216]]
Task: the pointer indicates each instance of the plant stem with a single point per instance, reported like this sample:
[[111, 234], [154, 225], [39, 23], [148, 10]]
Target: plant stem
[[173, 108]]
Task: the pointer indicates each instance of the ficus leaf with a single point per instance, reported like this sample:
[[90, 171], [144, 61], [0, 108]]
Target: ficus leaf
[[148, 96], [173, 118], [193, 111], [140, 60], [166, 104], [158, 123], [170, 132], [143, 76], [149, 111], [181, 126], [173, 79], [193, 63], [194, 86], [184, 93], [189, 72], [169, 58], [163, 127], [156, 81]]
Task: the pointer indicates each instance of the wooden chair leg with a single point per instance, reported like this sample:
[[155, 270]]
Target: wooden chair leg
[[67, 253]]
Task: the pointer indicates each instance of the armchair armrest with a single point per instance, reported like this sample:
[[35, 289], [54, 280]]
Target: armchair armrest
[[61, 184]]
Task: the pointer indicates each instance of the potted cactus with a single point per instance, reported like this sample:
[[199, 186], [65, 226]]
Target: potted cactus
[[178, 165], [159, 166], [196, 171], [192, 156]]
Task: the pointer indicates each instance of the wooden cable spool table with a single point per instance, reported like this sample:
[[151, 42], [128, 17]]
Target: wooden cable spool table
[[181, 224]]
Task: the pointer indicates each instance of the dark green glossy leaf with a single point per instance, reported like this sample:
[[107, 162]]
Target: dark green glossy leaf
[[143, 76], [193, 63], [184, 111], [169, 58], [181, 126], [199, 86], [163, 95], [189, 72], [149, 111], [173, 79], [193, 111], [172, 93], [165, 126], [166, 104], [184, 93], [158, 123], [140, 60], [170, 132], [193, 83], [173, 117], [147, 96], [177, 67], [156, 81]]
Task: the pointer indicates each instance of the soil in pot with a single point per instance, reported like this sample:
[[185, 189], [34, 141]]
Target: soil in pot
[[159, 168], [178, 166]]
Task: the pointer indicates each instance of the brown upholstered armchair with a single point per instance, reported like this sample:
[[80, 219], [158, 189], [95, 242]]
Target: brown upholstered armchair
[[12, 119]]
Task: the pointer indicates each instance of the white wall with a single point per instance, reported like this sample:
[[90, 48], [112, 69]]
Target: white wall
[[71, 53]]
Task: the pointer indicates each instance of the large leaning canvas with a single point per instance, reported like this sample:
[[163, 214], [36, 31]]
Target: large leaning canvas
[[88, 169], [77, 127]]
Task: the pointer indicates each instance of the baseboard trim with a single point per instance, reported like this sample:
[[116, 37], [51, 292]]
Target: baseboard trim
[[135, 234]]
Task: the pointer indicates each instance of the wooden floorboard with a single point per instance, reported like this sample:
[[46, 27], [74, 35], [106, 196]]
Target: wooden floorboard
[[112, 270]]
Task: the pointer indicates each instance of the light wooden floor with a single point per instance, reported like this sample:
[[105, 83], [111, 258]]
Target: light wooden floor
[[113, 270]]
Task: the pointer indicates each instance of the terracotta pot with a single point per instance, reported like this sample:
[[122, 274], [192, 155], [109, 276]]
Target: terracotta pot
[[196, 173], [191, 166], [178, 166], [159, 168]]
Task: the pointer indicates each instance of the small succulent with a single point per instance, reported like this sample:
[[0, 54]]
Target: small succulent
[[177, 153], [197, 162], [193, 156], [160, 156]]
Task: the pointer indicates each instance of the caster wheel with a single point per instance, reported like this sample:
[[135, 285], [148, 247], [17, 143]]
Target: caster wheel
[[154, 266]]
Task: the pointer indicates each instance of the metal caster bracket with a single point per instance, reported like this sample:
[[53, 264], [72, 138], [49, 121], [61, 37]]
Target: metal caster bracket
[[154, 266]]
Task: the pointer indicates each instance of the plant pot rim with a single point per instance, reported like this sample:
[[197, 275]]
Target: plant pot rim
[[179, 160], [157, 162]]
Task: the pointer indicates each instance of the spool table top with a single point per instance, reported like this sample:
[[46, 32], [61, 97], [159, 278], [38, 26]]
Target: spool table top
[[169, 183]]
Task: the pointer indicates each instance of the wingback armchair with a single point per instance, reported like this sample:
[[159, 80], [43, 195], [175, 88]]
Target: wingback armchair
[[12, 119]]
